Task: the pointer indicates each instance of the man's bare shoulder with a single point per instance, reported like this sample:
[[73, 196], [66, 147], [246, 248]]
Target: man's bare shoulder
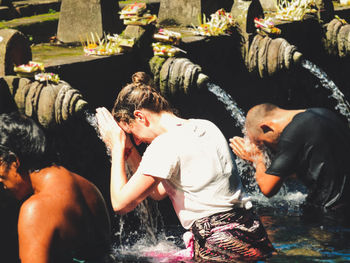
[[60, 183], [36, 210], [55, 174], [52, 193], [61, 177]]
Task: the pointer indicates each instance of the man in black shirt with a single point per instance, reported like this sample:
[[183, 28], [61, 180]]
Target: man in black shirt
[[311, 144]]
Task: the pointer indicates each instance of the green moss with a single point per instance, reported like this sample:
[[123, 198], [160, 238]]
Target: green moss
[[29, 21], [2, 25], [155, 64], [46, 52]]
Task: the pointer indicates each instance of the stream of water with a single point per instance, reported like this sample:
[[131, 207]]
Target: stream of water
[[230, 105], [343, 105]]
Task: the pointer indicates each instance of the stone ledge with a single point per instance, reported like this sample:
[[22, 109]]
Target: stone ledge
[[38, 28], [27, 21], [24, 8]]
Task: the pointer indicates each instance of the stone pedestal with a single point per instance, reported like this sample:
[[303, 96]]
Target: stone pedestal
[[184, 12], [78, 18]]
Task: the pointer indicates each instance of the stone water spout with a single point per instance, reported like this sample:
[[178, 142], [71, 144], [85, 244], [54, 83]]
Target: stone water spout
[[175, 75], [267, 56], [51, 104], [337, 38], [262, 54]]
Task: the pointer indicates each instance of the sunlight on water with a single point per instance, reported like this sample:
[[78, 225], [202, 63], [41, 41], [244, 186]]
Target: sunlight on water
[[290, 196], [164, 251], [92, 120], [289, 201], [343, 105], [230, 105]]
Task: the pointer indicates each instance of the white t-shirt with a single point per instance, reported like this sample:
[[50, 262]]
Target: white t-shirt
[[201, 178]]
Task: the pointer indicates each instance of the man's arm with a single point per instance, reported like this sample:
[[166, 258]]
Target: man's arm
[[36, 229], [268, 184]]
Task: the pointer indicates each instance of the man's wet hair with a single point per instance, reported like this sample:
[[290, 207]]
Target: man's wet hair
[[23, 139]]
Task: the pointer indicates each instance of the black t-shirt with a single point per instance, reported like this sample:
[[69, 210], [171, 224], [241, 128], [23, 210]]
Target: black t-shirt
[[316, 146]]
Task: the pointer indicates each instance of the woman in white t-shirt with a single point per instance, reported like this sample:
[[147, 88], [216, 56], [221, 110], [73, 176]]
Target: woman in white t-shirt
[[189, 161]]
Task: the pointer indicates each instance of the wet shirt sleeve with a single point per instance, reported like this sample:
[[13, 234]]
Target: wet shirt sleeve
[[287, 158]]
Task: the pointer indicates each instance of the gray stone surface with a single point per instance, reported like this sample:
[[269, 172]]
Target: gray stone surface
[[80, 17], [187, 12], [14, 50]]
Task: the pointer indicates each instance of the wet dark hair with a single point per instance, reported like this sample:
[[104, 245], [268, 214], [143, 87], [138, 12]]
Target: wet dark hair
[[141, 77], [136, 96], [21, 138]]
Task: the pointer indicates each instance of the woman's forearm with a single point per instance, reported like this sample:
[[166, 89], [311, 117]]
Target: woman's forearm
[[118, 177], [133, 159]]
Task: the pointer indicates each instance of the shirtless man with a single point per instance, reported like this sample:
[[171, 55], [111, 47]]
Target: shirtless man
[[311, 144], [63, 216]]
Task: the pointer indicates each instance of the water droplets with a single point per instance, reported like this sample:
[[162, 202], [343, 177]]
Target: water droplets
[[343, 105], [92, 120], [230, 105]]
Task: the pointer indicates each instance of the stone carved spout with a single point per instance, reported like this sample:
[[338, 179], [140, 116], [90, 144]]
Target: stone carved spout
[[267, 56], [50, 104], [337, 38], [175, 75]]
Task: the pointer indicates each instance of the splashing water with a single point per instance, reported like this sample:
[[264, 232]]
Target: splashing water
[[285, 198], [230, 104], [343, 105], [289, 197], [149, 240], [247, 170], [92, 120]]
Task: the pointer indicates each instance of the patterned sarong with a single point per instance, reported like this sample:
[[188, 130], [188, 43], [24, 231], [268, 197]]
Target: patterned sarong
[[229, 236]]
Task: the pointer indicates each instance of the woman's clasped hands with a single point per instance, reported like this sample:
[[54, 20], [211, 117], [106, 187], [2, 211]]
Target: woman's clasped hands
[[111, 133]]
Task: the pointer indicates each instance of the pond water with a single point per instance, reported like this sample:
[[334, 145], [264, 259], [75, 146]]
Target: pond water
[[297, 238], [155, 236]]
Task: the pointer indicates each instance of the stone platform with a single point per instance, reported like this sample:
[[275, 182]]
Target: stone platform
[[87, 72], [25, 8]]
